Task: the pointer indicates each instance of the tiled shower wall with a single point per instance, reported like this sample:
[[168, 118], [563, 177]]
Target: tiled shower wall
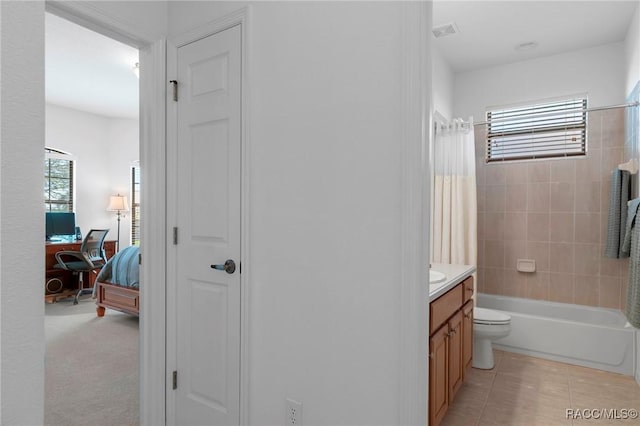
[[553, 211]]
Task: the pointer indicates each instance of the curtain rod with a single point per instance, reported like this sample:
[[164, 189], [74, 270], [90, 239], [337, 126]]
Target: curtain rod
[[631, 104]]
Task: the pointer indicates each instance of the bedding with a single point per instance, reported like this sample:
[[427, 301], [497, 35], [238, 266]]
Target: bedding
[[117, 284], [122, 269]]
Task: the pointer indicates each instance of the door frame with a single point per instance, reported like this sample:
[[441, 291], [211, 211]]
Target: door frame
[[152, 141], [239, 17]]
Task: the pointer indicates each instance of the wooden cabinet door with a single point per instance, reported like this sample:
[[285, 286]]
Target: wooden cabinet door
[[455, 354], [438, 360], [467, 337]]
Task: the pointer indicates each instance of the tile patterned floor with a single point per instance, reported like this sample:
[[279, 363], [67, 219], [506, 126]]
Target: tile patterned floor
[[526, 391]]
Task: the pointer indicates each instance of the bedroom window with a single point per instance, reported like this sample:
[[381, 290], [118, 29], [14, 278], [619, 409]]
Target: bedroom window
[[58, 181], [135, 205], [542, 130]]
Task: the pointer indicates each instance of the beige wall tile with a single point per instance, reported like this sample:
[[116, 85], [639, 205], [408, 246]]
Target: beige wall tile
[[480, 259], [480, 279], [561, 227], [540, 253], [561, 257], [516, 199], [481, 226], [610, 292], [515, 283], [494, 254], [586, 290], [516, 173], [605, 191], [587, 259], [481, 197], [538, 171], [515, 226], [563, 170], [493, 280], [611, 157], [594, 129], [514, 250], [538, 195], [538, 285], [538, 226], [495, 174], [587, 196], [495, 198], [611, 267], [588, 168], [481, 171], [494, 226], [561, 287], [562, 196], [587, 228]]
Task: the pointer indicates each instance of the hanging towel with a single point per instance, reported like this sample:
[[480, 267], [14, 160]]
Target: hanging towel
[[632, 309], [620, 191], [632, 209]]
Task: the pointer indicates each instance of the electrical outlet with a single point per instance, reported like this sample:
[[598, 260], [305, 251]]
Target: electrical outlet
[[293, 413]]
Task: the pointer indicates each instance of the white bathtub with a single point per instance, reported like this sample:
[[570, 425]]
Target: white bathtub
[[575, 334]]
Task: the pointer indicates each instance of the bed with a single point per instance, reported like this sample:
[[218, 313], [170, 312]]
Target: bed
[[117, 284]]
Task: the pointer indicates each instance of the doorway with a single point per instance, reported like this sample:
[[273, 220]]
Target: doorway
[[92, 113]]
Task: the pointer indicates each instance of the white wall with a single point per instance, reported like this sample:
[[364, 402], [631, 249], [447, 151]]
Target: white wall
[[598, 71], [442, 85], [21, 213], [22, 121], [104, 149], [325, 207], [632, 52]]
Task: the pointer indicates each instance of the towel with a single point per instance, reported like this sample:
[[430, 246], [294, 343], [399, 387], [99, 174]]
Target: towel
[[620, 192], [632, 309], [632, 210]]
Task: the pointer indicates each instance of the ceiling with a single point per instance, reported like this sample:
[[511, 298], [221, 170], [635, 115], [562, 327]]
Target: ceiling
[[87, 71], [489, 31], [90, 72]]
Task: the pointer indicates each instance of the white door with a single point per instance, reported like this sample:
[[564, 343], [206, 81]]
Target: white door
[[208, 214]]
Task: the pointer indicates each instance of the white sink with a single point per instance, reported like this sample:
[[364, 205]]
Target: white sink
[[436, 277]]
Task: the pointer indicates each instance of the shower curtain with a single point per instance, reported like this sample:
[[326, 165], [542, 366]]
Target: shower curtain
[[454, 221]]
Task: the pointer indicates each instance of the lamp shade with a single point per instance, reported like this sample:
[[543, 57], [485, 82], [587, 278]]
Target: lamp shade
[[118, 203]]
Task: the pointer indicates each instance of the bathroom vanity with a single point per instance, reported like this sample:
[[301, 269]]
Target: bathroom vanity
[[450, 336]]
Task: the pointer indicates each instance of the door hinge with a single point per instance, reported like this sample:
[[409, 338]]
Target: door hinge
[[175, 89], [175, 380], [139, 258], [175, 235]]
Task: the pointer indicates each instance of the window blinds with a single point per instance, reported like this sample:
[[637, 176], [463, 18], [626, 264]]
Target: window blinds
[[545, 130]]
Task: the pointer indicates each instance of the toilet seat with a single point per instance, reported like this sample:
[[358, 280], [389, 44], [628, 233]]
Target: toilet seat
[[490, 317]]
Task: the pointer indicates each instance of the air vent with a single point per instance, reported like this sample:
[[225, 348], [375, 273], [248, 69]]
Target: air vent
[[445, 30]]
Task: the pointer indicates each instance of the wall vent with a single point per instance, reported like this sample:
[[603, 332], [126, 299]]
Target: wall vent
[[445, 30]]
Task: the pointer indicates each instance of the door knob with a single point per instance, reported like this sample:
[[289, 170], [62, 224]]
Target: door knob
[[229, 266]]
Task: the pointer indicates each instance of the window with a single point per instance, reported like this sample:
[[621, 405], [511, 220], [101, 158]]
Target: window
[[135, 205], [58, 181], [544, 130]]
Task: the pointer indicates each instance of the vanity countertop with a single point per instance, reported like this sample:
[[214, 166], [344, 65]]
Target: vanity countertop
[[455, 275]]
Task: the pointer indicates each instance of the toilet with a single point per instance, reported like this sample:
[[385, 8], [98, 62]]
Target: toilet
[[488, 325]]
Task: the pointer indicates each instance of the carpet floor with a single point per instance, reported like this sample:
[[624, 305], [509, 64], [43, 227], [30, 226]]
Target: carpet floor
[[91, 368]]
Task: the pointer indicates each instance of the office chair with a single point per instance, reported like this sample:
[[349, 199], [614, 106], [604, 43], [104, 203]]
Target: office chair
[[90, 258]]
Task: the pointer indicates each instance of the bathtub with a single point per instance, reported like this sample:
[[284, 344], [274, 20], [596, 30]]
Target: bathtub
[[581, 335]]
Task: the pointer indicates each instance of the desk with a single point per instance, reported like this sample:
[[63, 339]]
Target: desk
[[69, 281]]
